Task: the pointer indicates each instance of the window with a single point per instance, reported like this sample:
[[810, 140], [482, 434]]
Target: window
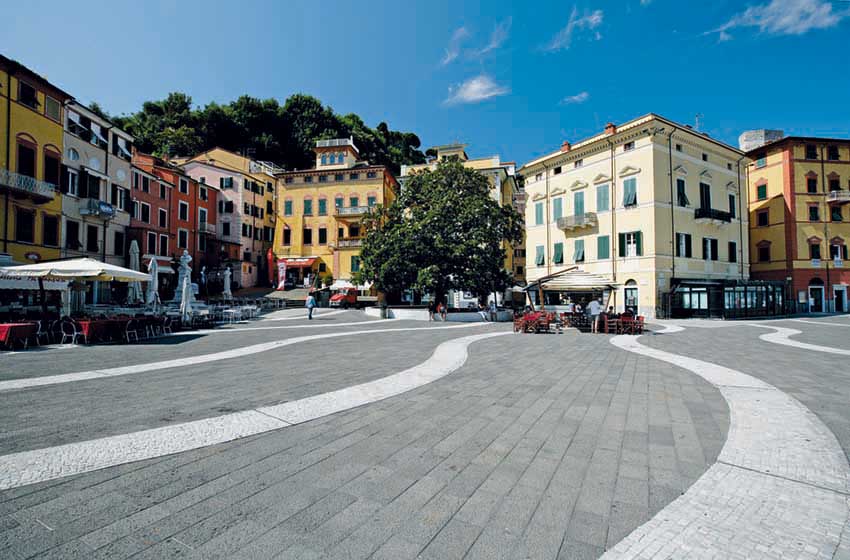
[[602, 198], [340, 233], [631, 244], [678, 147], [51, 168], [72, 235], [683, 245], [246, 208], [121, 198], [557, 208], [339, 202], [146, 212], [340, 158], [371, 175], [339, 177], [835, 213], [539, 258], [323, 178], [811, 184], [628, 146], [558, 255], [323, 207], [74, 155], [287, 207], [811, 151], [630, 192], [704, 156], [761, 162], [578, 163], [538, 177], [519, 271], [91, 238], [814, 250], [353, 201], [353, 176], [556, 171], [704, 196], [578, 256], [162, 191], [733, 252], [287, 237], [371, 201], [225, 228], [323, 236], [814, 213], [308, 236], [118, 244], [268, 233], [761, 192], [50, 230], [27, 95], [146, 184], [182, 239], [603, 247], [287, 181], [308, 207], [838, 251], [355, 263], [202, 242], [26, 160], [729, 166], [269, 207], [732, 213], [764, 253], [202, 193], [578, 204], [709, 249], [53, 110], [308, 179], [183, 211], [681, 195], [163, 244], [354, 230], [184, 186], [73, 182], [831, 152], [136, 177], [762, 218], [834, 184], [324, 159], [151, 243], [163, 218], [538, 214], [202, 216]]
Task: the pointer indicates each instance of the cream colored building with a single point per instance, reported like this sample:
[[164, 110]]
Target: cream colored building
[[651, 206]]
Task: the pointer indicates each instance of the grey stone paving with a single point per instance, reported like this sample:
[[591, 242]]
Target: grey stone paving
[[823, 335], [539, 447]]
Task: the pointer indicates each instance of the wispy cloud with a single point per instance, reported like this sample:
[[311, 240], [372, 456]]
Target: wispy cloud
[[475, 90], [497, 37], [576, 99], [783, 17], [645, 2], [453, 48], [588, 21]]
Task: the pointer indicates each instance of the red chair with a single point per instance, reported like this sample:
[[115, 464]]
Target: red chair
[[639, 324], [627, 325]]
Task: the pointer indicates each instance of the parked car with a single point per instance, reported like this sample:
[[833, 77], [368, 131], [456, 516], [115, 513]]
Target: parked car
[[350, 297]]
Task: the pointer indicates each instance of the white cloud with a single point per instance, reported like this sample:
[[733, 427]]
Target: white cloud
[[784, 17], [575, 99], [589, 21], [497, 37], [453, 49], [475, 90], [645, 2]]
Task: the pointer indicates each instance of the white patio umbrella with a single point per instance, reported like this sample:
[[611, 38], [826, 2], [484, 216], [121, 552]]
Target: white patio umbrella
[[153, 284], [186, 300], [134, 290]]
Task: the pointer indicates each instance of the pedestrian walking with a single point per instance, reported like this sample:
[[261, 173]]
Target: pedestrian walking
[[310, 304], [432, 309], [493, 311], [593, 309], [441, 308], [482, 311]]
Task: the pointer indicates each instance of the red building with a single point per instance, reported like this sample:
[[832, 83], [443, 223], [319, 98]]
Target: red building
[[150, 217], [192, 212]]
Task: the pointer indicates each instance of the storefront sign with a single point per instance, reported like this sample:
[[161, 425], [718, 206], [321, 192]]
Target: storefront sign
[[33, 256], [281, 274]]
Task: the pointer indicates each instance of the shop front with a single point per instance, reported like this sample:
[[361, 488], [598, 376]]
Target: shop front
[[727, 299]]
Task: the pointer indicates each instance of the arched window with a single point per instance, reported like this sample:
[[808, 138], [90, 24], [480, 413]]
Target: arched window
[[325, 159], [333, 159], [73, 154]]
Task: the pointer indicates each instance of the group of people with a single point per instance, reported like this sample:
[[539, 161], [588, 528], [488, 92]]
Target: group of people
[[437, 308]]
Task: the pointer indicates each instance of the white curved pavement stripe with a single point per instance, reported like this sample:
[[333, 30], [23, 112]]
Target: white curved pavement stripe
[[828, 323], [310, 326], [302, 315], [24, 383], [39, 465], [778, 489], [783, 336]]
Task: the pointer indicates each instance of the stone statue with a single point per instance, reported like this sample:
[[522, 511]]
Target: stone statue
[[227, 293], [184, 271]]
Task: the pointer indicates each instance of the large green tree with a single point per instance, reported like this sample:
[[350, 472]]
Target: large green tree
[[445, 231]]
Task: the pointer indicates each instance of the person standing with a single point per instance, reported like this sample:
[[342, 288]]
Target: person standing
[[593, 309], [432, 308], [494, 311], [443, 312], [310, 304]]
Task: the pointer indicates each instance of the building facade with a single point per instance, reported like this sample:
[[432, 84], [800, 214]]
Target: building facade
[[31, 146], [651, 206], [150, 224], [799, 195], [246, 220], [319, 211]]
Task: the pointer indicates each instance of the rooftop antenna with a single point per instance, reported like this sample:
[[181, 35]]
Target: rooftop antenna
[[697, 117]]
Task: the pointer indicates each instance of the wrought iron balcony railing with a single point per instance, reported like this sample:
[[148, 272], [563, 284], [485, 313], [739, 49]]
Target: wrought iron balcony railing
[[712, 214], [27, 185]]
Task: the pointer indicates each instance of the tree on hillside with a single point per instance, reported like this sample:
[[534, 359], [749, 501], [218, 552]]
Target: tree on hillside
[[443, 232]]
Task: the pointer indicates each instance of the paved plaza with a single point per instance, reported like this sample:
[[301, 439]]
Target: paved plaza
[[352, 437]]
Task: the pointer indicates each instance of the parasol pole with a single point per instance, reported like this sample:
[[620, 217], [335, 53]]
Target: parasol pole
[[43, 295]]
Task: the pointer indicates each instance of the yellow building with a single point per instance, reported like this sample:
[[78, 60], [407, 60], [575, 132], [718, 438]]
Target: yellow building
[[799, 194], [319, 211], [651, 208], [31, 144], [504, 189]]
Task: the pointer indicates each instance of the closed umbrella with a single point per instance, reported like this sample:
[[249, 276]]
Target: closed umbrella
[[153, 284], [186, 300], [134, 290]]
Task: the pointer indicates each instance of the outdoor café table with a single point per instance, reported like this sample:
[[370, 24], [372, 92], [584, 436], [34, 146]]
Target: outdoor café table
[[102, 329], [12, 332]]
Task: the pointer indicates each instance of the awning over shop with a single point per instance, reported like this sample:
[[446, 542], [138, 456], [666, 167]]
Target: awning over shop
[[575, 279], [299, 262]]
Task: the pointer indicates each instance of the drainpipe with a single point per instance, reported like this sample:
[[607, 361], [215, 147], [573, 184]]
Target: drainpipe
[[741, 213], [672, 207], [8, 155], [613, 205], [827, 296], [548, 234], [108, 190]]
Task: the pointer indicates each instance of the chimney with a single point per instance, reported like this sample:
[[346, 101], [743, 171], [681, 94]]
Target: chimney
[[565, 146], [610, 128]]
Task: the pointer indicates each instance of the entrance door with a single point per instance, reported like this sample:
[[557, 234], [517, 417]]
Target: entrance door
[[840, 299], [815, 299], [630, 295]]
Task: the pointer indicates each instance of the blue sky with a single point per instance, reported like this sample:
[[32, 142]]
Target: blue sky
[[513, 79]]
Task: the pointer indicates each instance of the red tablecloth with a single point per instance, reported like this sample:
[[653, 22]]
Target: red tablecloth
[[102, 329], [533, 316], [10, 332]]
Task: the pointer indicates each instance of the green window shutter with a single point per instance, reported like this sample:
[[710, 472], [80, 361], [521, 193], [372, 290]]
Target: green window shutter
[[323, 206], [639, 243], [558, 258], [579, 252], [630, 192], [287, 208], [602, 198], [603, 249], [538, 214], [557, 207], [705, 248], [621, 244], [540, 259], [761, 192], [308, 207], [578, 203], [714, 249]]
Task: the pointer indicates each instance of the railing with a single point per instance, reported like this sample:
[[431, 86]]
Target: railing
[[335, 142], [206, 227], [838, 196], [98, 208], [588, 219], [350, 242], [26, 184], [351, 210], [712, 214]]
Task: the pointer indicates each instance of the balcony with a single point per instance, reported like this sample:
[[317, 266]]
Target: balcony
[[349, 243], [579, 221], [351, 211], [712, 215], [206, 228], [840, 197], [22, 184], [97, 208]]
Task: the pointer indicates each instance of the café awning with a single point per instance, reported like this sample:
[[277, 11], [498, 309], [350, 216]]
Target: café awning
[[575, 279], [74, 269], [31, 284], [298, 262]]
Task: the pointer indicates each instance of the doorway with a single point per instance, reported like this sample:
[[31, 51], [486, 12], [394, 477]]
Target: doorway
[[840, 297], [816, 294], [630, 295]]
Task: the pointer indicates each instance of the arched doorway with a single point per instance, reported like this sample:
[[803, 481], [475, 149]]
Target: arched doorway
[[816, 295], [630, 296]]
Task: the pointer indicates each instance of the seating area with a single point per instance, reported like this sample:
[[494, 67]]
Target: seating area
[[550, 322]]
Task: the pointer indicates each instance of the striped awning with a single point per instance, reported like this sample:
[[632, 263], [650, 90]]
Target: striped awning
[[575, 280]]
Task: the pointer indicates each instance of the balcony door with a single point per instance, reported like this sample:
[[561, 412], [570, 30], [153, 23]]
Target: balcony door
[[578, 203], [704, 196]]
